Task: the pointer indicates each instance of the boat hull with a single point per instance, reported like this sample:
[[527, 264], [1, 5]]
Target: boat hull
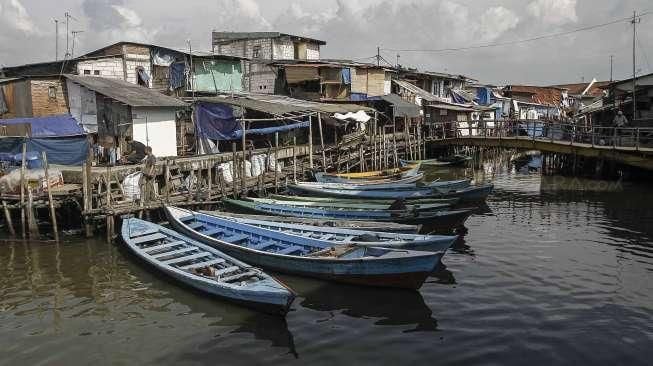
[[407, 272]]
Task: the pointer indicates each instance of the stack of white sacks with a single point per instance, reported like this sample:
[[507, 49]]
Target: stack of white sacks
[[258, 165]]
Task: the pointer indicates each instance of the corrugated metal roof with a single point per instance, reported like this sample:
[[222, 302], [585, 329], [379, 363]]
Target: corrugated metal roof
[[280, 105], [9, 80], [417, 91], [128, 93], [222, 36], [402, 108]]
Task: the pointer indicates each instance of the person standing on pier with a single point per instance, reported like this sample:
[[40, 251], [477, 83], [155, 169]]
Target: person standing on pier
[[136, 151], [149, 173], [620, 121]]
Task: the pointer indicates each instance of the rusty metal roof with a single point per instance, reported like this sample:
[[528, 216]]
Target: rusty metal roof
[[128, 93]]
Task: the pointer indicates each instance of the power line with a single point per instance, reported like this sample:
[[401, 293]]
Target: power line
[[508, 43]]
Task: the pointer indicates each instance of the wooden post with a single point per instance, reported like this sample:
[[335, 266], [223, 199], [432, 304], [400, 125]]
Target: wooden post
[[294, 158], [108, 210], [22, 190], [220, 175], [31, 218], [234, 169], [319, 125], [244, 159], [210, 180], [10, 224], [276, 162], [166, 178], [53, 216], [394, 143], [88, 193], [310, 141]]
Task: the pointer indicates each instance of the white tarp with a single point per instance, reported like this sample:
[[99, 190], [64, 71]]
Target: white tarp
[[359, 116]]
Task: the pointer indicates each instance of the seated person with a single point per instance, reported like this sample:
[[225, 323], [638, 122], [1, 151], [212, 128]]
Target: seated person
[[136, 151]]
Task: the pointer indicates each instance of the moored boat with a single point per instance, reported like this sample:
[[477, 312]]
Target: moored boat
[[281, 252], [425, 201], [399, 207], [360, 225], [441, 218], [205, 268], [396, 173], [425, 192], [395, 178], [340, 236]]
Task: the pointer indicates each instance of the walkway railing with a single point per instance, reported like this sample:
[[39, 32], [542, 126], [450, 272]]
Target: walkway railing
[[555, 132]]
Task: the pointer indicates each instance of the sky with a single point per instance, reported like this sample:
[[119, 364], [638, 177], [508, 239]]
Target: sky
[[353, 29]]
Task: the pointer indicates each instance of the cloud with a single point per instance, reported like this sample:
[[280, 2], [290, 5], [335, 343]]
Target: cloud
[[113, 20], [240, 15], [14, 14], [554, 12]]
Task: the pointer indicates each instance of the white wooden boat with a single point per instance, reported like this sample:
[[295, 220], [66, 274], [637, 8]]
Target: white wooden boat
[[205, 268]]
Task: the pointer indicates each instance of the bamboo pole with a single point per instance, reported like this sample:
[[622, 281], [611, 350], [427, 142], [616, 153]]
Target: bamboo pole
[[22, 191], [10, 224], [210, 179], [319, 125], [244, 166], [294, 158], [276, 162], [88, 193], [166, 178], [234, 169], [394, 142], [53, 216], [310, 142]]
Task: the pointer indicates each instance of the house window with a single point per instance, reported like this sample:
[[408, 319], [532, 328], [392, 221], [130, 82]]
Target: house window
[[52, 92], [87, 72], [96, 72], [256, 52]]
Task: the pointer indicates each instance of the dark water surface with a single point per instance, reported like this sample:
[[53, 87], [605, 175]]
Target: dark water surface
[[544, 276]]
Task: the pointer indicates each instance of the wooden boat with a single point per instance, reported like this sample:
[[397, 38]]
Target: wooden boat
[[446, 184], [391, 227], [281, 252], [469, 194], [447, 218], [368, 194], [425, 201], [205, 268], [340, 236], [398, 178], [396, 173], [354, 206], [444, 161], [450, 184]]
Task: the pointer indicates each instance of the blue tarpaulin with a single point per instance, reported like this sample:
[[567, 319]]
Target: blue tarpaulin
[[484, 96], [60, 150], [52, 126], [215, 121], [177, 75], [270, 130], [346, 75]]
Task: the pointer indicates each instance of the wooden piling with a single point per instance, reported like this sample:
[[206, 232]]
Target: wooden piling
[[294, 158], [8, 220], [22, 192], [276, 162], [319, 125], [53, 216], [234, 169], [310, 142], [31, 217], [244, 160]]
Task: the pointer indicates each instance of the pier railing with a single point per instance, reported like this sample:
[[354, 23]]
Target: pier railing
[[631, 138]]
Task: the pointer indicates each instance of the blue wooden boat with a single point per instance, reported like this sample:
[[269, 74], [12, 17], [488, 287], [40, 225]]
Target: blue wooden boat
[[340, 236], [444, 161], [442, 184], [359, 225], [426, 201], [299, 188], [205, 268], [407, 171], [469, 194], [450, 184], [281, 252], [444, 219], [398, 179]]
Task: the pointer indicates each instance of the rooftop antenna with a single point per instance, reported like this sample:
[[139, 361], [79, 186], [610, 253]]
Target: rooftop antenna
[[635, 21], [56, 39], [68, 17], [72, 50], [611, 61]]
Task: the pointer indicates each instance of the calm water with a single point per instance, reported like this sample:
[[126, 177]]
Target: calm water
[[543, 276]]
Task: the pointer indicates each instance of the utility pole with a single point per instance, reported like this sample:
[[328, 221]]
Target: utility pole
[[192, 78], [56, 39], [378, 56], [611, 61], [67, 15], [634, 21]]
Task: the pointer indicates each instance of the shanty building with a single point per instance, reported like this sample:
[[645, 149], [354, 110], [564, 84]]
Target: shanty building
[[114, 109], [536, 102], [436, 83], [32, 96]]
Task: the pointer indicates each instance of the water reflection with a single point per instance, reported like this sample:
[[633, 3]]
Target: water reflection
[[388, 306]]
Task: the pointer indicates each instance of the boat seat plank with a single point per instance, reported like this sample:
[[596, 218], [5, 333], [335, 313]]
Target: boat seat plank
[[148, 238], [212, 232], [235, 238], [263, 245], [195, 225], [187, 258], [164, 246], [186, 218], [204, 264], [226, 270], [291, 249], [145, 232], [238, 276], [174, 252], [326, 237]]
